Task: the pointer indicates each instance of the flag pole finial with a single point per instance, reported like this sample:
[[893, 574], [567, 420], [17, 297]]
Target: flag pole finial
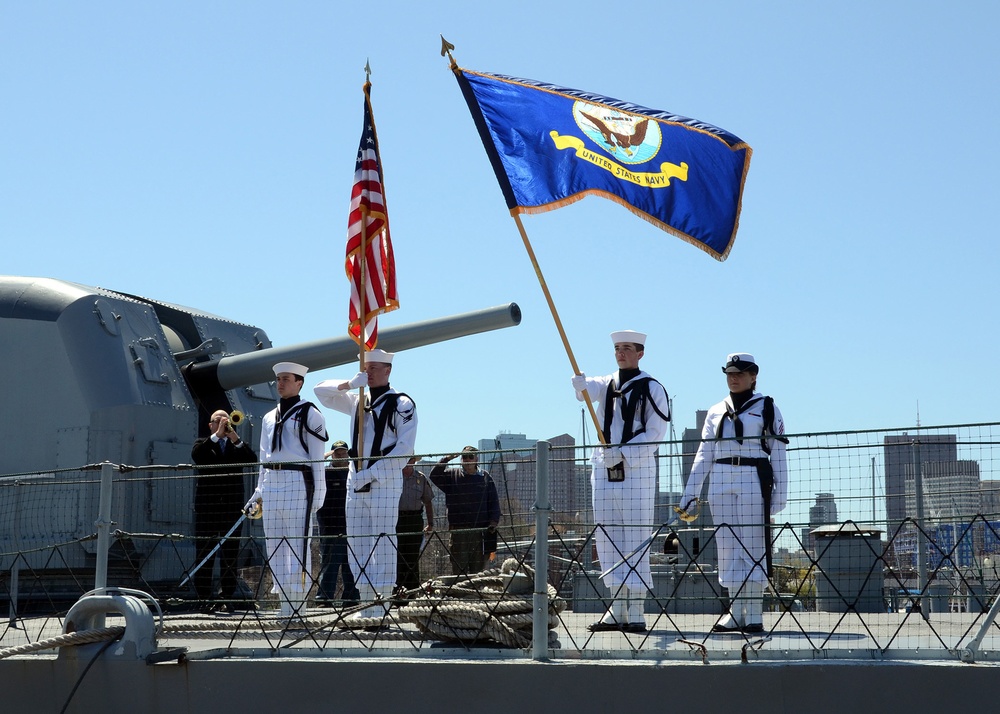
[[446, 48], [368, 72]]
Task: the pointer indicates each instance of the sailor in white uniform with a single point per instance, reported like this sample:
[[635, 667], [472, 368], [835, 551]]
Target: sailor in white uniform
[[291, 486], [743, 449], [374, 487], [633, 410]]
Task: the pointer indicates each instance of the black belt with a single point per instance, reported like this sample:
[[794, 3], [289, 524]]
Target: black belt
[[303, 468], [741, 461], [411, 513]]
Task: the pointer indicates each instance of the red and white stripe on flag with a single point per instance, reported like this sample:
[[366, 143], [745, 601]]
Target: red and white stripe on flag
[[368, 205]]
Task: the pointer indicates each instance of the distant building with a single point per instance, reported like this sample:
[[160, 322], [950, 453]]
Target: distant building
[[512, 466], [989, 499], [952, 494], [823, 513], [900, 455]]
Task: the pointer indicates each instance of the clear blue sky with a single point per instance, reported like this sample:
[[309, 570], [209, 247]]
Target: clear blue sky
[[137, 136]]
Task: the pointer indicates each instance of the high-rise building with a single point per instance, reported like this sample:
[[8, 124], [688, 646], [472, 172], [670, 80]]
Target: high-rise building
[[952, 493], [951, 490], [901, 452]]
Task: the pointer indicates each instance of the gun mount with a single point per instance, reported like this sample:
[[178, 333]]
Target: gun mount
[[98, 375]]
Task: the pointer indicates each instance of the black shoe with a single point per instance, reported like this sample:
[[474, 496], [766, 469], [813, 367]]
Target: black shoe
[[323, 602], [376, 628], [634, 627], [601, 626], [723, 628], [753, 629]]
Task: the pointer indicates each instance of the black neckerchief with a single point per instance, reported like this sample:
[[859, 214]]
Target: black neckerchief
[[740, 401], [628, 406], [285, 407], [374, 394]]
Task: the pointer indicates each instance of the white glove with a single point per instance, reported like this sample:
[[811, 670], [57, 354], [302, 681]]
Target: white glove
[[253, 506], [612, 455], [358, 380], [580, 382]]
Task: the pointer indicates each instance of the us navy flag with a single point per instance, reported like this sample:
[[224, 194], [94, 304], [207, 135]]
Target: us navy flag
[[551, 146]]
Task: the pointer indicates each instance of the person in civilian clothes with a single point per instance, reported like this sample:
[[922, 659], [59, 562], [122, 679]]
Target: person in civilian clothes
[[743, 449], [218, 498], [291, 487], [633, 410], [333, 529], [473, 511], [415, 500], [375, 478]]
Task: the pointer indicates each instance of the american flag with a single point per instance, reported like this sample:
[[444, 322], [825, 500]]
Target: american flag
[[368, 198]]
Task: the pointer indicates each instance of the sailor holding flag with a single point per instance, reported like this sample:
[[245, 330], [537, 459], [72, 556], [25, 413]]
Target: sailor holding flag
[[632, 411], [375, 479]]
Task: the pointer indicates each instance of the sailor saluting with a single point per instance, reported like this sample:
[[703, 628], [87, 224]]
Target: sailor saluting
[[291, 486], [743, 449], [375, 480]]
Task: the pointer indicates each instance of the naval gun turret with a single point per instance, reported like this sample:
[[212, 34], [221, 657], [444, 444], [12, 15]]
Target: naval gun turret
[[97, 375]]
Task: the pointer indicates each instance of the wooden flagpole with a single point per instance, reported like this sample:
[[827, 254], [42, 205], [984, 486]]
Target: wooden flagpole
[[363, 312], [555, 316], [363, 331]]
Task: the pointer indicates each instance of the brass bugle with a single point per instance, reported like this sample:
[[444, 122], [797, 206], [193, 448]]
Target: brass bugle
[[236, 417]]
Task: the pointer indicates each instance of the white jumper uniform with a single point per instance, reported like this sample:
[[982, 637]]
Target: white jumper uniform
[[371, 515], [287, 518], [623, 510], [734, 491]]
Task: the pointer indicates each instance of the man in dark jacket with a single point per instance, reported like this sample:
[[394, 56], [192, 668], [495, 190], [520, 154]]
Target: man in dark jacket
[[473, 511], [218, 500]]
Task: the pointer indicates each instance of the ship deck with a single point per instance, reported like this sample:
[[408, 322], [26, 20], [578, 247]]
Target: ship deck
[[885, 662], [803, 636]]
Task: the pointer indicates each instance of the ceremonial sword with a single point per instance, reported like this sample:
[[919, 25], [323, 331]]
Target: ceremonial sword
[[214, 550], [642, 546]]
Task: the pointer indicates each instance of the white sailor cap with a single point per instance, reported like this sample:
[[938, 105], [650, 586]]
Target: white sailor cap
[[293, 367], [740, 362], [378, 355], [638, 338]]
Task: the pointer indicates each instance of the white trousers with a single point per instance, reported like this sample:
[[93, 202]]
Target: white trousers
[[371, 531], [288, 551], [738, 511], [623, 512]]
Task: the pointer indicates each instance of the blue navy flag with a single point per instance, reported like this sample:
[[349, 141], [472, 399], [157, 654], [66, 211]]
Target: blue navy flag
[[551, 146]]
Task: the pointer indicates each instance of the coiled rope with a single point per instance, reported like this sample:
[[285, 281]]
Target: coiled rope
[[473, 608]]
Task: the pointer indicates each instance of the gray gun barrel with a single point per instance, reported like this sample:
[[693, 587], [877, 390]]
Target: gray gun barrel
[[255, 367]]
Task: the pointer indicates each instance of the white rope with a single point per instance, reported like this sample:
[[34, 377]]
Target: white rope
[[469, 609], [68, 639]]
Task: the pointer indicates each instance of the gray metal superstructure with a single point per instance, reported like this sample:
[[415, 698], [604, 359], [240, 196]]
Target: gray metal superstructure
[[96, 375]]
